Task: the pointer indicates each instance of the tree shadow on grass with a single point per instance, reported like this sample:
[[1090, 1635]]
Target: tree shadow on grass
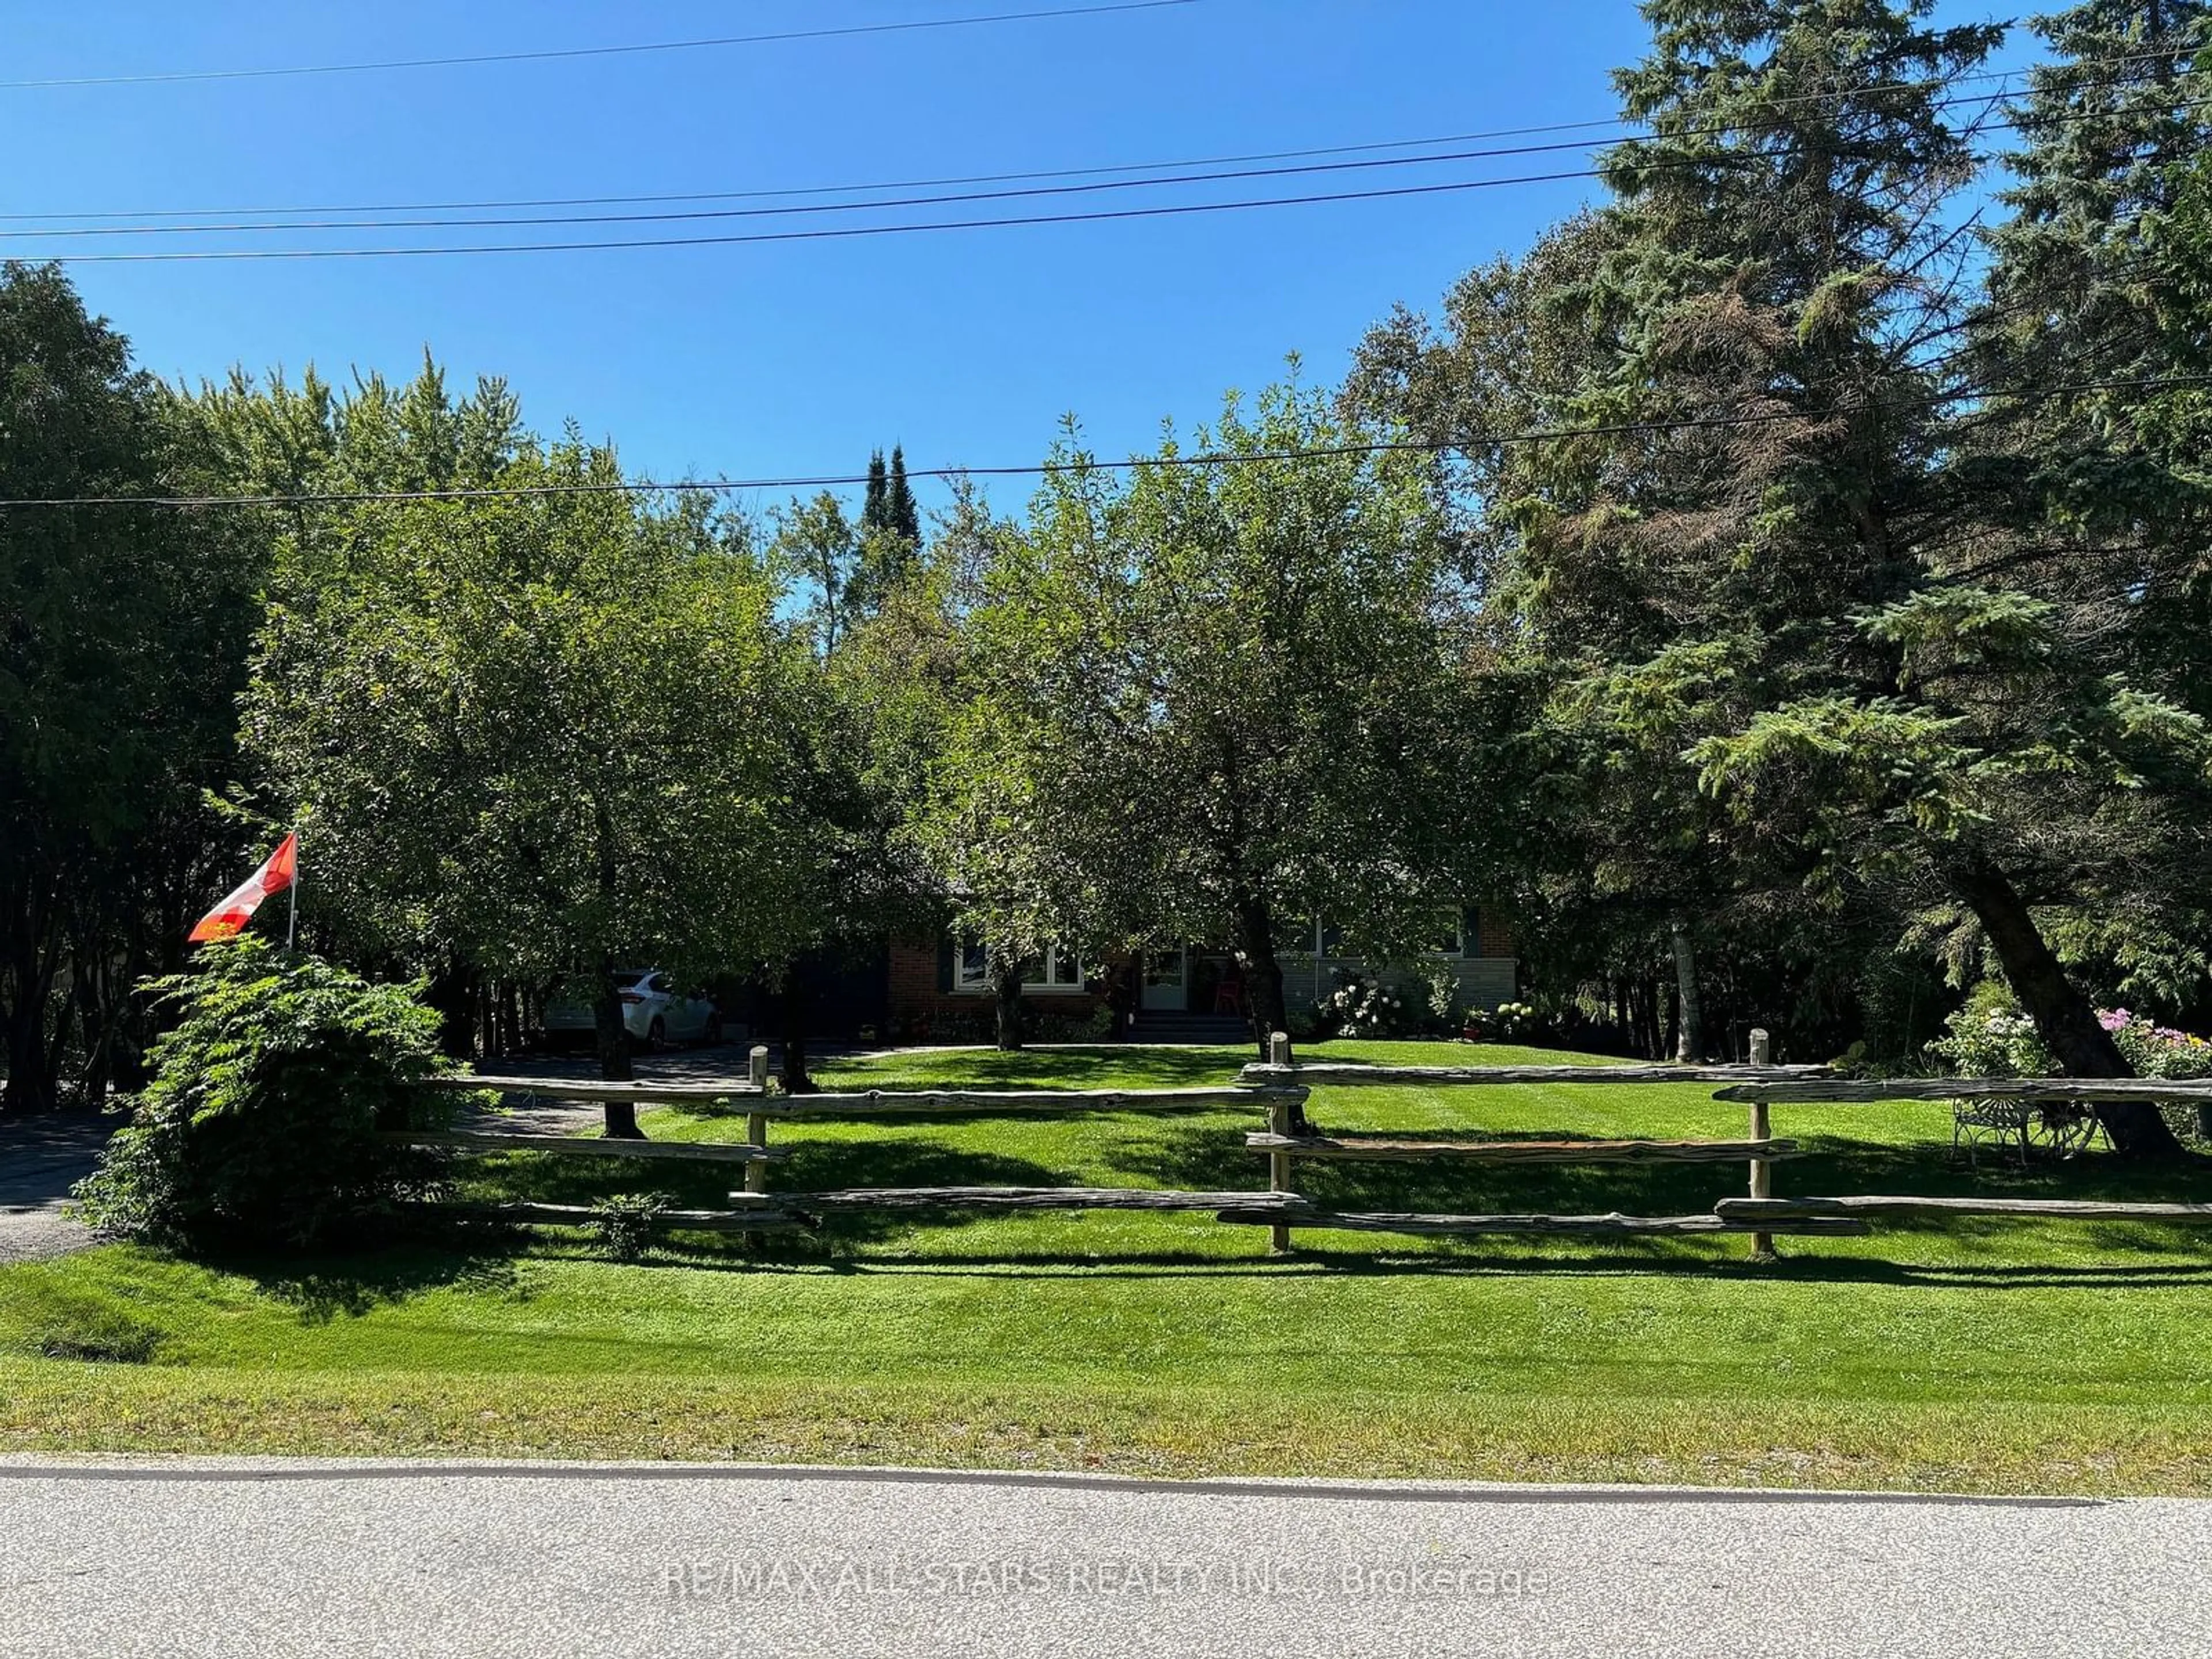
[[1133, 1067], [813, 1166], [324, 1288], [1210, 1157]]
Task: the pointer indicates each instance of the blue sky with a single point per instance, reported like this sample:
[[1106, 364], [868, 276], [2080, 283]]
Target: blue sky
[[782, 358]]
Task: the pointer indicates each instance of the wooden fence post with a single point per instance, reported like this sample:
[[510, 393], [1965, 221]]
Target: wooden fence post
[[756, 1124], [1762, 1128], [1278, 1123]]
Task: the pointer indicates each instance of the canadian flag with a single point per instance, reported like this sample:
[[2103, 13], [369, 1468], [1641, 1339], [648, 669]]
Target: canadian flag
[[231, 916]]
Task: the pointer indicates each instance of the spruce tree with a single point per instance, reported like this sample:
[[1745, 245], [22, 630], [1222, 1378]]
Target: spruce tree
[[902, 514], [875, 506]]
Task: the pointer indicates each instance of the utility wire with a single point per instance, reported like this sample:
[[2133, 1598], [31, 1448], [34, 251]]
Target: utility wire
[[550, 56], [962, 180], [833, 232], [825, 234], [1370, 164], [1044, 468]]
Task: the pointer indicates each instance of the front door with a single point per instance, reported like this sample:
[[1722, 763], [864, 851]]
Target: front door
[[1167, 981]]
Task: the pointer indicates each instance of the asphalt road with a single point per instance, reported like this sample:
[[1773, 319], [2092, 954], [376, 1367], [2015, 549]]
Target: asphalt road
[[250, 1558]]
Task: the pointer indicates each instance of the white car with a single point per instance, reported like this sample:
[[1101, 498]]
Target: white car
[[654, 1012]]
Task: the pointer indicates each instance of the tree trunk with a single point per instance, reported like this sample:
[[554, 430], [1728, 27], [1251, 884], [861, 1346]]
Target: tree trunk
[[2063, 1016], [1690, 1036], [30, 1087], [614, 1051], [1006, 989], [606, 1001], [794, 1005], [1263, 983], [453, 993]]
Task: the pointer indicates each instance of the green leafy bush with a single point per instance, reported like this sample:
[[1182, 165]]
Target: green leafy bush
[[624, 1222], [1365, 1005], [1989, 1037], [261, 1124]]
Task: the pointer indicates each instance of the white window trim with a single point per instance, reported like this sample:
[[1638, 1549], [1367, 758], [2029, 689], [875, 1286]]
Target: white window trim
[[964, 984]]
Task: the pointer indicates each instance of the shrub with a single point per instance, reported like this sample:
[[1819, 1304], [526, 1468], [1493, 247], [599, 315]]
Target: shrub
[[1364, 1007], [1509, 1022], [1991, 1037], [261, 1124], [625, 1224]]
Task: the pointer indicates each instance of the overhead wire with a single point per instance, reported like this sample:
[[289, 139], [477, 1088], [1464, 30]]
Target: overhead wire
[[961, 180], [842, 232], [557, 54], [1041, 469]]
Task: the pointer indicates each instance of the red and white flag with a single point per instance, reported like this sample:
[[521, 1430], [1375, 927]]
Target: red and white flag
[[231, 916]]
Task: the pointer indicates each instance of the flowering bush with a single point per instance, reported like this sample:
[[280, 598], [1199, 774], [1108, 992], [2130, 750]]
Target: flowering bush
[[1991, 1037], [1363, 1007], [1509, 1022], [2156, 1050]]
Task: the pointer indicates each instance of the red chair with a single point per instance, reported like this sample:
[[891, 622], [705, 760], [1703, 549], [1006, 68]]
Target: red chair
[[1229, 995]]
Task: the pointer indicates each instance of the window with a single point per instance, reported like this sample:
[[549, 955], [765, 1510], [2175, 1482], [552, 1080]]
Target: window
[[1059, 968], [1465, 939], [972, 969]]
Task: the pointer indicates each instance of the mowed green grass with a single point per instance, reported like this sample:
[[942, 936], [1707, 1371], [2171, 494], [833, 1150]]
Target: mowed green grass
[[1995, 1355]]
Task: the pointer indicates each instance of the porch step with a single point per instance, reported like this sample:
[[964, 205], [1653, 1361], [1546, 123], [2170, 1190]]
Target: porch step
[[1154, 1025]]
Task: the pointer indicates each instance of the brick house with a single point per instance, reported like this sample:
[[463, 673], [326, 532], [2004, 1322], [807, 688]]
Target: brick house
[[940, 985]]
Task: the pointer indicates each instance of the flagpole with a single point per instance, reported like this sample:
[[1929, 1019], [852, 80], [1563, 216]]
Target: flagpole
[[292, 927]]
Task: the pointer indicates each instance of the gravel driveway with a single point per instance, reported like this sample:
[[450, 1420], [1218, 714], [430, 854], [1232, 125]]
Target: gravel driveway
[[40, 1159]]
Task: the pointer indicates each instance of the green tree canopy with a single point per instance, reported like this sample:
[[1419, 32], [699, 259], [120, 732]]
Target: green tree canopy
[[1209, 701]]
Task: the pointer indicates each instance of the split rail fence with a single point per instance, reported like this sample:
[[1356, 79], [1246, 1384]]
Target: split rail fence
[[1278, 1087]]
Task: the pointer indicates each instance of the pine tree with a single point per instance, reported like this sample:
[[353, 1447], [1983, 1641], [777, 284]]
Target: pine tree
[[1885, 719], [2093, 285], [1750, 566], [875, 506], [2082, 476], [902, 514], [1737, 317]]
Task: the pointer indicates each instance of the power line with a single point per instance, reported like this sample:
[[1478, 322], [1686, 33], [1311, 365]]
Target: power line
[[962, 180], [824, 234], [1045, 469], [555, 54], [833, 232], [955, 181], [876, 205], [1156, 180]]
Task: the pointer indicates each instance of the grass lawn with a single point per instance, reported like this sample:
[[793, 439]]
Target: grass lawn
[[1997, 1355]]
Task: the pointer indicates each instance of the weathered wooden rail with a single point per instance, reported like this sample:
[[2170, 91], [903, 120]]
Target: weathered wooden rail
[[1378, 1149], [583, 1215], [757, 1206], [1278, 1087], [1612, 1224], [696, 1152], [1012, 1198], [644, 1092], [2069, 1090], [1767, 1212], [1760, 1152], [1337, 1073]]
